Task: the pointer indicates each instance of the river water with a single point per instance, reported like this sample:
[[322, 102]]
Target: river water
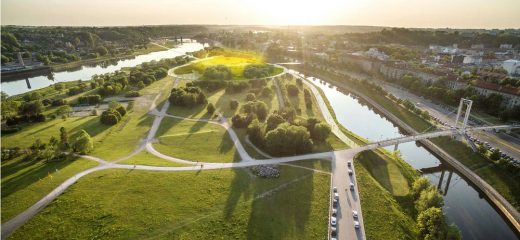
[[463, 204], [86, 72]]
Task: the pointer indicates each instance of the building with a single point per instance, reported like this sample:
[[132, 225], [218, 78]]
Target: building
[[512, 67], [510, 96]]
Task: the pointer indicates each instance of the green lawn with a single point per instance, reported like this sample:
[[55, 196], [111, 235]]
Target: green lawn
[[218, 204], [126, 135], [45, 130], [234, 60], [385, 216], [146, 158], [197, 141], [25, 182]]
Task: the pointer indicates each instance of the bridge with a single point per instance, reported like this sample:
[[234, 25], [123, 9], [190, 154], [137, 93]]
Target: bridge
[[448, 132]]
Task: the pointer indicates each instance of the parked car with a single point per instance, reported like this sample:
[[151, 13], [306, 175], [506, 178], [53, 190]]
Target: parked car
[[349, 163], [356, 224], [333, 234], [354, 214], [352, 186], [333, 221], [336, 195], [334, 203], [334, 212], [334, 189], [350, 172]]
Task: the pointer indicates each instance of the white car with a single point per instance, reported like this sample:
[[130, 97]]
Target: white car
[[352, 186], [336, 195], [350, 172], [333, 221], [334, 189], [356, 224], [354, 213]]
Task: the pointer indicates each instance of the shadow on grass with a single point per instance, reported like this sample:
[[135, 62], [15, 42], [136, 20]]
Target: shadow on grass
[[29, 177], [284, 212], [377, 167], [93, 127]]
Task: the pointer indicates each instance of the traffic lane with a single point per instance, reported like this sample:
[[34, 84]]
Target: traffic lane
[[345, 223]]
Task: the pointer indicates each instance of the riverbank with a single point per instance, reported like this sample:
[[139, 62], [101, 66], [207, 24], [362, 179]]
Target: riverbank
[[467, 159], [72, 65]]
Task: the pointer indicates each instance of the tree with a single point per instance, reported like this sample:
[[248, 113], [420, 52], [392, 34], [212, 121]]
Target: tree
[[482, 149], [210, 108], [64, 139], [83, 143], [250, 97], [428, 198], [431, 224], [64, 110], [101, 50], [273, 121], [495, 155], [233, 104], [288, 139], [419, 185], [320, 132], [256, 133], [32, 108], [292, 90]]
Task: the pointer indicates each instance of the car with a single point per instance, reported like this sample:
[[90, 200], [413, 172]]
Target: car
[[336, 195], [333, 229], [333, 221], [356, 224], [333, 233], [335, 202], [334, 189], [352, 186], [354, 214], [334, 212], [350, 172], [349, 163]]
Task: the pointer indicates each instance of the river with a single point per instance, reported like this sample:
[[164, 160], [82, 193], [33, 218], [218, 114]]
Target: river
[[463, 204], [86, 72]]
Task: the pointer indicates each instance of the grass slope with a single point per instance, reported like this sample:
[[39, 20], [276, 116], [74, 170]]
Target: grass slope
[[387, 213], [25, 182], [220, 204]]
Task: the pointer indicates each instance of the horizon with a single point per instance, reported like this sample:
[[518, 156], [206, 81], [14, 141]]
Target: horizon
[[478, 14]]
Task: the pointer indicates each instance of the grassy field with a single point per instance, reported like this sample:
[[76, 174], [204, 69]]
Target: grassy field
[[25, 182], [388, 213], [219, 204], [197, 141], [146, 158], [236, 61]]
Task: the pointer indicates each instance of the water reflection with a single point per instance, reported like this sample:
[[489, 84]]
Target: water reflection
[[464, 205], [87, 71]]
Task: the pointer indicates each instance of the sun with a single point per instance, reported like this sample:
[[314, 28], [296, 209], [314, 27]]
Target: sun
[[295, 12]]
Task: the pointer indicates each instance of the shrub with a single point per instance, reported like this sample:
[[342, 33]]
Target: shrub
[[110, 117], [132, 94], [288, 140], [258, 108], [258, 70], [210, 108], [250, 97], [233, 104], [266, 92], [218, 72], [256, 132], [242, 120], [292, 90], [90, 99]]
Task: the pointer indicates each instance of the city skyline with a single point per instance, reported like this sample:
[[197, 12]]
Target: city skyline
[[400, 13]]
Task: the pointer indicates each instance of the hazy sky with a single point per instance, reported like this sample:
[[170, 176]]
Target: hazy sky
[[399, 13]]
